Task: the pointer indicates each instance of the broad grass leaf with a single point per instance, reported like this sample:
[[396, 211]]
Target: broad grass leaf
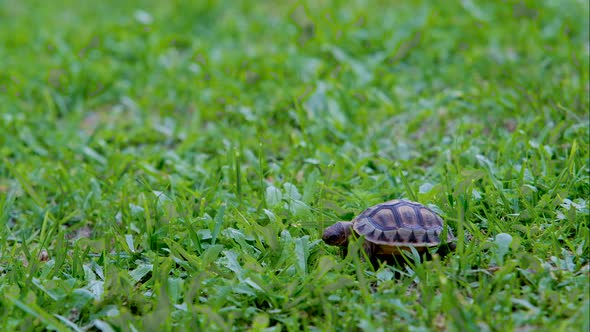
[[140, 271], [103, 326], [231, 262], [425, 188], [291, 191], [273, 196], [502, 242], [302, 253]]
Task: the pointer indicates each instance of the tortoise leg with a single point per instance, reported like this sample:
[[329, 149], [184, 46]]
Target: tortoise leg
[[370, 249], [445, 249], [344, 251]]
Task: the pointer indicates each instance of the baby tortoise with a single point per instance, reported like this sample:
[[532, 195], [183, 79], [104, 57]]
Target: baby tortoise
[[391, 227]]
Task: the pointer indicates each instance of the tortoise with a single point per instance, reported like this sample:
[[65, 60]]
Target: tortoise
[[391, 227]]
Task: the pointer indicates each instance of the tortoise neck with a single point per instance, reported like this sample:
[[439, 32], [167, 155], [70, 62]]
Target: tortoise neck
[[347, 227]]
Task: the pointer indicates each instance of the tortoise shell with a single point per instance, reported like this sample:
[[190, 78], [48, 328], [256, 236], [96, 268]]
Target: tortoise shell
[[397, 224]]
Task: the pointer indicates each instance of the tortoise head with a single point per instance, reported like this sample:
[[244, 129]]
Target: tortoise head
[[337, 234]]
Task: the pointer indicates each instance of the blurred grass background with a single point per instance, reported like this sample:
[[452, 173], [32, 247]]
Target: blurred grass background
[[171, 165]]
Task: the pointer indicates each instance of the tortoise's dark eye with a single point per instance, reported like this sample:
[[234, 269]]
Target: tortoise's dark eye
[[330, 238], [334, 239]]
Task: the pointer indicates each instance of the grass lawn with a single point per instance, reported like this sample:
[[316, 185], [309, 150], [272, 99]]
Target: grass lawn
[[170, 166]]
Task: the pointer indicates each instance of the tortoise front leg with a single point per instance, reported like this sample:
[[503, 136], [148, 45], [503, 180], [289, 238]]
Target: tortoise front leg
[[370, 249]]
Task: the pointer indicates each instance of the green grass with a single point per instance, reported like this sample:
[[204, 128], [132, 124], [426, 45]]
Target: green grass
[[171, 166]]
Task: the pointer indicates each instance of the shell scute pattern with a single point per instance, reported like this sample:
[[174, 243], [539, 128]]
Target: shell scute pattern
[[384, 219], [400, 222]]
